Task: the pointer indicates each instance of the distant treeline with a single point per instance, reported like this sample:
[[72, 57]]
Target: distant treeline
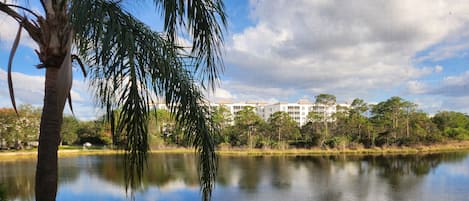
[[394, 122], [22, 131]]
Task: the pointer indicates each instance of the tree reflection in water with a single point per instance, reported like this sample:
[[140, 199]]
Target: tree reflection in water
[[3, 192], [18, 180], [328, 178]]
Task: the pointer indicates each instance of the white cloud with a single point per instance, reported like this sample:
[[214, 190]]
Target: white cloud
[[416, 87], [459, 104], [451, 93], [430, 104], [347, 48], [220, 94], [453, 86], [245, 92], [445, 52], [29, 89], [9, 28]]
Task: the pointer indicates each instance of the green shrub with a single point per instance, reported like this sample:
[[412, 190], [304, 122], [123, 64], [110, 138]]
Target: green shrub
[[457, 133], [340, 142], [433, 138], [3, 193], [224, 146]]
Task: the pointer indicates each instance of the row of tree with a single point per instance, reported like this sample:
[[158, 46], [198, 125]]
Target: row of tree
[[21, 131], [393, 122]]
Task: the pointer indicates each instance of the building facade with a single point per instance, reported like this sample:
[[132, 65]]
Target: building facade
[[298, 111]]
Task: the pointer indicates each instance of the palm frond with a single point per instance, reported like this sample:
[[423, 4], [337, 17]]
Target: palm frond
[[70, 105], [188, 105], [10, 63], [80, 63], [130, 65], [201, 19]]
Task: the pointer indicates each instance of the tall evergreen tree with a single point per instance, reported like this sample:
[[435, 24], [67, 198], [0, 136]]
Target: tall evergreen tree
[[326, 100], [247, 122], [283, 127]]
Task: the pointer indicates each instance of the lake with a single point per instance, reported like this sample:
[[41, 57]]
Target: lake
[[173, 177]]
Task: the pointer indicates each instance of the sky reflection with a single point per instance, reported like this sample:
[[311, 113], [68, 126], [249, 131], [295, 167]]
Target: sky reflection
[[322, 178]]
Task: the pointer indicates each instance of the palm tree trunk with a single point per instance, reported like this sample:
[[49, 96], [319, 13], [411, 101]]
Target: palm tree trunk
[[54, 53], [49, 138]]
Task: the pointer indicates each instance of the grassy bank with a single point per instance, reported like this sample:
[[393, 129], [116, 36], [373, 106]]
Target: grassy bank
[[67, 151], [63, 152], [435, 148]]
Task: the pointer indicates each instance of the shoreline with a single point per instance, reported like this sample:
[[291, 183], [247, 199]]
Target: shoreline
[[420, 149]]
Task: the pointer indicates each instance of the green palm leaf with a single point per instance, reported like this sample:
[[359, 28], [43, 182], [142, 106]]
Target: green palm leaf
[[203, 21], [130, 65]]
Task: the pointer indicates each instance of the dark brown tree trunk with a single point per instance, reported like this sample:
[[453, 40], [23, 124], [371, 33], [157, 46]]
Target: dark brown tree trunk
[[407, 132], [325, 124], [279, 134], [359, 131], [249, 138], [49, 138]]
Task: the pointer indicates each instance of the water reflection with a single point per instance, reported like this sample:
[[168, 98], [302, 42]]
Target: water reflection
[[17, 179], [3, 192], [325, 178]]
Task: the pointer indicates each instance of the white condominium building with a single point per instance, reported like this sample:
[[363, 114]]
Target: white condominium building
[[236, 107], [298, 111]]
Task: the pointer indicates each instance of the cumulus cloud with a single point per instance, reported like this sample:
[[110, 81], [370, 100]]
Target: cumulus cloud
[[29, 89], [455, 86], [416, 87], [445, 52], [450, 93], [433, 104], [9, 28], [219, 94], [430, 104], [347, 48], [242, 92]]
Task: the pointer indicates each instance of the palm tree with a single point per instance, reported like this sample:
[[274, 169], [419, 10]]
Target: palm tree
[[129, 65]]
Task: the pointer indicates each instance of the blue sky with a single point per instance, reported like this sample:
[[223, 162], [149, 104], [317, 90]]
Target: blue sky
[[281, 50]]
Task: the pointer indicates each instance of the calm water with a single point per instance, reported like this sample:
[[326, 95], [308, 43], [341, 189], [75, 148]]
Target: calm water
[[299, 178]]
